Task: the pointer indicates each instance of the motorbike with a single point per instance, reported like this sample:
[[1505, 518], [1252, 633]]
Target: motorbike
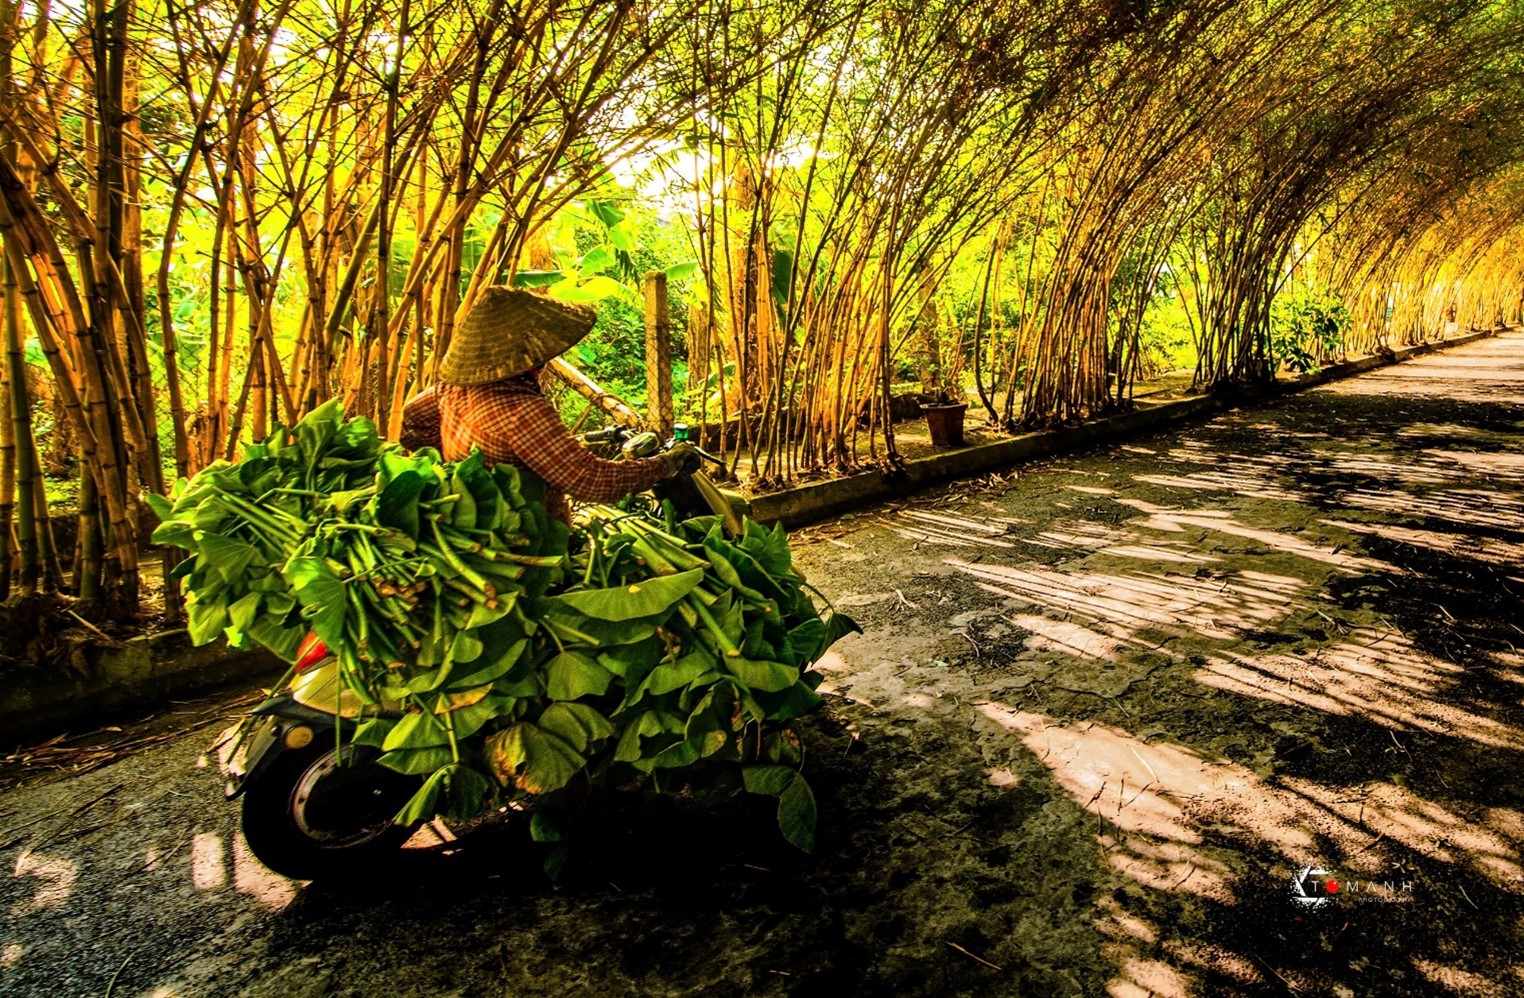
[[317, 805]]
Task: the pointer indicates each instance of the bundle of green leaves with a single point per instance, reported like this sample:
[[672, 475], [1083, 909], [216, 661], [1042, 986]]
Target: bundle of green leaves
[[495, 652]]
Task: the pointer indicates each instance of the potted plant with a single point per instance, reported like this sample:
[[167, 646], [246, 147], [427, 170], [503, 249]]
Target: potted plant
[[944, 405], [944, 420]]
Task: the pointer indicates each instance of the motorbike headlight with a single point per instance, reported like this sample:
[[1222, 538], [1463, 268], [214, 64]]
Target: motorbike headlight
[[298, 736]]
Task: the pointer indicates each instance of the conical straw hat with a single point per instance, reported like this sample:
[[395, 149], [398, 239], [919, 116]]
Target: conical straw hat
[[508, 332]]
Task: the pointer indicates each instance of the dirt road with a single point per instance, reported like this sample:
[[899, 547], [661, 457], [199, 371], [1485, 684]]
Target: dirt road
[[1107, 711]]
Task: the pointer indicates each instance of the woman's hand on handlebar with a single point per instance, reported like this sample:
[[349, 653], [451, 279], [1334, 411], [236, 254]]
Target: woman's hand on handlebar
[[682, 458], [612, 433]]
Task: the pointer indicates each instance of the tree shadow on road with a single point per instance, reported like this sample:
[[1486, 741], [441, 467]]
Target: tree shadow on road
[[1362, 719], [1269, 651]]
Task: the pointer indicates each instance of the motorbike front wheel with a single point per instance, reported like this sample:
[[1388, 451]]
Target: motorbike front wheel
[[325, 812]]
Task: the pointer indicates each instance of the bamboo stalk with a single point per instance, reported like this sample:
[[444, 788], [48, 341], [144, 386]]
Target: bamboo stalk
[[617, 409], [8, 540], [18, 483]]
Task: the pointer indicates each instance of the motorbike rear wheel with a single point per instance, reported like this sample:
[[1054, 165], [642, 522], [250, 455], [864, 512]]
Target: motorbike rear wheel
[[324, 812]]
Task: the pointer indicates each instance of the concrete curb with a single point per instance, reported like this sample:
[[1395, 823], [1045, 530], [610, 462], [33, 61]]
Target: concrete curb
[[817, 501], [137, 674], [142, 673]]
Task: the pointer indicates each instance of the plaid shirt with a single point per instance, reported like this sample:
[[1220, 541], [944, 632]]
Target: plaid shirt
[[513, 421]]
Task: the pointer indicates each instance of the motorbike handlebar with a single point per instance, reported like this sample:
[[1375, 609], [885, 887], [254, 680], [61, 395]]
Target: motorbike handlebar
[[622, 435], [709, 457], [608, 433]]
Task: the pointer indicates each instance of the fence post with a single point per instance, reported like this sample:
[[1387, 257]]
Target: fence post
[[658, 354]]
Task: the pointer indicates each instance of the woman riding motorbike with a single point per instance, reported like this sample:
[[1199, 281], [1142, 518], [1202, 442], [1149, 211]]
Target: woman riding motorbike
[[488, 396], [310, 811]]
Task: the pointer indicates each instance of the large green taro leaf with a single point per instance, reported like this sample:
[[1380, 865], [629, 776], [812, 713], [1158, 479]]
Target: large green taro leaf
[[242, 612], [769, 547], [205, 620], [795, 701], [647, 598], [316, 429], [397, 505], [466, 648], [796, 804], [804, 642], [571, 675], [275, 635], [652, 724], [395, 463], [474, 481], [671, 676], [175, 533], [574, 627], [424, 804], [492, 665], [416, 762], [768, 676], [227, 557], [533, 759], [578, 724], [837, 626], [321, 594], [710, 725], [416, 731], [463, 512], [355, 438]]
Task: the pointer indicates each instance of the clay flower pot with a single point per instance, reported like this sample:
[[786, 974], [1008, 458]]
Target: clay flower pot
[[945, 421]]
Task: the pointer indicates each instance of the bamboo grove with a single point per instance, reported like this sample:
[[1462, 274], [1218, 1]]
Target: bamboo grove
[[216, 216]]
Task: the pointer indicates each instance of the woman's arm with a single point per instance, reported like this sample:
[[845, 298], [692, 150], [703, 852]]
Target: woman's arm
[[532, 434], [420, 420]]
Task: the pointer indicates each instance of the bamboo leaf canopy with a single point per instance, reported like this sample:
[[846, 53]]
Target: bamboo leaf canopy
[[215, 217]]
